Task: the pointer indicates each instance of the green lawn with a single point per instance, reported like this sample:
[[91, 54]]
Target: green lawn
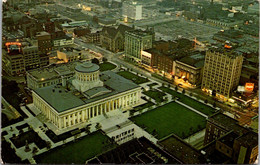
[[106, 66], [171, 118], [130, 76], [155, 94], [76, 152], [207, 110]]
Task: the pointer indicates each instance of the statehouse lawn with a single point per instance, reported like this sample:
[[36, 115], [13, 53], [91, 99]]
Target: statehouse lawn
[[130, 76], [207, 110], [76, 152], [106, 66], [171, 118]]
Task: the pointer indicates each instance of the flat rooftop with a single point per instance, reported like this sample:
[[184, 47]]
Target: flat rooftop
[[51, 72], [136, 151], [182, 150], [227, 123], [139, 33], [62, 98]]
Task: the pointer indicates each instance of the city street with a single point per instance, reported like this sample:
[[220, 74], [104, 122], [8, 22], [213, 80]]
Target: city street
[[118, 59]]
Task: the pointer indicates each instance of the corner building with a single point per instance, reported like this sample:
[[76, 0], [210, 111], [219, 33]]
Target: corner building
[[222, 70], [86, 96]]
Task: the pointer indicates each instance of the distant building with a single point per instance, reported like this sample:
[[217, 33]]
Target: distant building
[[44, 42], [49, 27], [181, 150], [190, 68], [222, 70], [31, 29], [19, 58], [113, 38], [224, 136], [62, 41], [69, 54], [51, 75], [81, 31], [132, 10], [93, 37], [70, 26], [162, 57], [136, 41]]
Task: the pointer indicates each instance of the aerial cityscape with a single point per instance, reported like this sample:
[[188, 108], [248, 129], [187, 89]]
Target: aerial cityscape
[[130, 81]]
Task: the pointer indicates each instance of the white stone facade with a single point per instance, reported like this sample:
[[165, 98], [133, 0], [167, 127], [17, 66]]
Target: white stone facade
[[82, 114], [86, 81]]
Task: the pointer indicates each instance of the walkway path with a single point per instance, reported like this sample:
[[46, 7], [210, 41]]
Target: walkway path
[[194, 110]]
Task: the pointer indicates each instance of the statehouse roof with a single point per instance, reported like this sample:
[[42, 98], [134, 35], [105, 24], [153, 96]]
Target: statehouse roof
[[62, 98]]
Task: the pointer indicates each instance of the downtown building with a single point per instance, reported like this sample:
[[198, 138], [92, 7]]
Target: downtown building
[[89, 95], [132, 10], [18, 57], [229, 142], [221, 73], [136, 41]]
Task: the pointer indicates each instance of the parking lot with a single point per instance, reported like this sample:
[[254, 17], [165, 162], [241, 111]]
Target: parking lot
[[187, 29]]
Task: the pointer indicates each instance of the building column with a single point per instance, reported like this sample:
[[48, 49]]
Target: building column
[[83, 115], [73, 118], [78, 115], [69, 120], [59, 120]]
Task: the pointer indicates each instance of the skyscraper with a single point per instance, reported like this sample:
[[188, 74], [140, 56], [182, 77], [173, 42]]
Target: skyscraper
[[222, 71], [132, 10], [136, 41]]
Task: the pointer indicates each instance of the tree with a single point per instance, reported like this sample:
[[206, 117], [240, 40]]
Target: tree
[[87, 129], [35, 150], [199, 127], [176, 88], [214, 93], [154, 132], [21, 131], [182, 134], [104, 59], [48, 145], [98, 126], [131, 113], [95, 61], [191, 130], [206, 101]]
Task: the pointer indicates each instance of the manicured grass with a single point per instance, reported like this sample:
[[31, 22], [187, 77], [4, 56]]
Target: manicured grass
[[106, 66], [76, 152], [171, 118], [207, 110], [130, 76], [155, 94]]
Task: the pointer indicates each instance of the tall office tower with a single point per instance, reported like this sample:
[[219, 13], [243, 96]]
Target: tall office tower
[[222, 71], [132, 10], [136, 41]]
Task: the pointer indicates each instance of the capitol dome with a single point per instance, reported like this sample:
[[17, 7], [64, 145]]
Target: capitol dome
[[86, 77], [87, 67]]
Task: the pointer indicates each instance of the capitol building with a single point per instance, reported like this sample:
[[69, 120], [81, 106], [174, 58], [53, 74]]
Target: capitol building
[[89, 94]]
